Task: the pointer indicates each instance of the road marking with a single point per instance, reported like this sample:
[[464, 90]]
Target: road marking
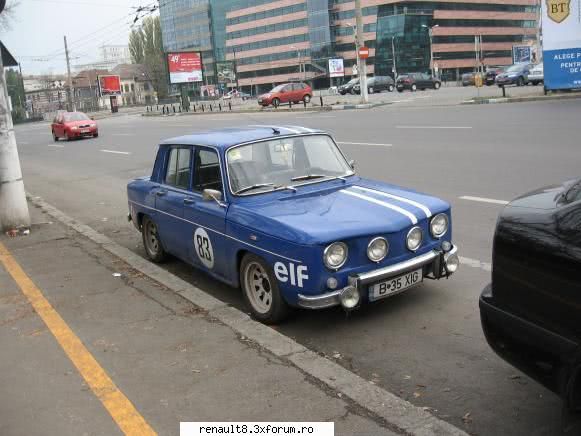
[[433, 127], [115, 152], [365, 143], [316, 116], [122, 134], [117, 404], [56, 145], [483, 200], [474, 263]]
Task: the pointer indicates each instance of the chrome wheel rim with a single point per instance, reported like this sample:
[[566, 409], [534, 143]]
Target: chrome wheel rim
[[151, 238], [258, 288]]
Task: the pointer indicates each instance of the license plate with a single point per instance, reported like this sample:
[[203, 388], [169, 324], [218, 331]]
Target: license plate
[[395, 285], [85, 130]]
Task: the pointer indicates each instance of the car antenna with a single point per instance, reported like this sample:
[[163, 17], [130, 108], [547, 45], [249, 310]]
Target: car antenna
[[275, 131]]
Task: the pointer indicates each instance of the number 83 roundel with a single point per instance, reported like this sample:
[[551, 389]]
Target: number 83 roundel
[[203, 247]]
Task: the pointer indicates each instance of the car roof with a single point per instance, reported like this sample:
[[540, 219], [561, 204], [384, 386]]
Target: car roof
[[224, 138]]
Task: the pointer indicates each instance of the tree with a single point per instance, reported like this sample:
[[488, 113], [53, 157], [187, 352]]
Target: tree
[[146, 47], [16, 93]]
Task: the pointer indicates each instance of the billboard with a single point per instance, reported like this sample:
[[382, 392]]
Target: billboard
[[336, 68], [562, 43], [184, 67], [109, 85], [226, 72], [522, 54]]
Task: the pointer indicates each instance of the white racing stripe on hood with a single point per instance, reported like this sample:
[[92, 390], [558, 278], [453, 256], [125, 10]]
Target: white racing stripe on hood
[[427, 211], [409, 215]]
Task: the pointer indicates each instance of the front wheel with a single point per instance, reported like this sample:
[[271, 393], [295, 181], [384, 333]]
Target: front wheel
[[437, 85], [151, 241], [414, 87], [261, 291], [390, 88]]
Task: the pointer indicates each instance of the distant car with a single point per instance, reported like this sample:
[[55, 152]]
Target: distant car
[[531, 311], [491, 73], [514, 75], [286, 93], [376, 84], [347, 88], [72, 125], [280, 212], [236, 94], [537, 75], [468, 79], [415, 81]]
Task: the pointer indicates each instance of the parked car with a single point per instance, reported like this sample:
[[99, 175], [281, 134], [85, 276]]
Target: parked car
[[514, 75], [415, 81], [280, 212], [531, 310], [376, 84], [537, 75], [347, 88], [72, 125], [288, 92], [468, 79], [491, 73]]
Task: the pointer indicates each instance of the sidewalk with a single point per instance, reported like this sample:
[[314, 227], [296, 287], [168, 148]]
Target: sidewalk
[[171, 360]]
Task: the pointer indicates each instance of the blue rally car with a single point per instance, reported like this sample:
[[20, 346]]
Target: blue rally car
[[279, 212]]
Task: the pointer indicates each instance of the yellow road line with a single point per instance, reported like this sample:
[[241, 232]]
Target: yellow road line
[[117, 404]]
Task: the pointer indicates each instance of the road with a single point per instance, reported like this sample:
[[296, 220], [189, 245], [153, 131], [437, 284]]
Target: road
[[425, 345]]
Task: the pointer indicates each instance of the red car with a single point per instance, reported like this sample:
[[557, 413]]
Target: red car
[[71, 125], [286, 93]]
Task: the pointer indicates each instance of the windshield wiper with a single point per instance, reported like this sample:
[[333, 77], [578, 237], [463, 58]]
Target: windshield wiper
[[251, 187], [308, 177]]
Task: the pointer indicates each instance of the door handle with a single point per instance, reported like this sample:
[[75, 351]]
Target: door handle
[[160, 193], [189, 201]]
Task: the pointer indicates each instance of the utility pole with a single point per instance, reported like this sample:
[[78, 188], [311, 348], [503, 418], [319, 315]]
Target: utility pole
[[13, 206], [360, 43], [70, 100]]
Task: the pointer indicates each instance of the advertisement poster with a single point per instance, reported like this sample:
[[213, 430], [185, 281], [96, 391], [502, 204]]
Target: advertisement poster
[[185, 67], [226, 72], [109, 85], [522, 54], [562, 43], [336, 68]]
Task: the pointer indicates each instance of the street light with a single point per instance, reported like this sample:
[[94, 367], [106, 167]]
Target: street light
[[430, 31]]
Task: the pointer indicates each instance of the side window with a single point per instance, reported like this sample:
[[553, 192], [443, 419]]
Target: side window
[[178, 171], [288, 88], [207, 170]]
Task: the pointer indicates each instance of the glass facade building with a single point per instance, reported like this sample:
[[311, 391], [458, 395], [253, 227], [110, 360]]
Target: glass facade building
[[274, 41]]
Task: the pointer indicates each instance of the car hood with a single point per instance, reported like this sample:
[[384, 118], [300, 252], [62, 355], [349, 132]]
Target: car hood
[[331, 211]]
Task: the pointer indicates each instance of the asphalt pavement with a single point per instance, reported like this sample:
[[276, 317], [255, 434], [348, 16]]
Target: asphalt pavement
[[425, 345]]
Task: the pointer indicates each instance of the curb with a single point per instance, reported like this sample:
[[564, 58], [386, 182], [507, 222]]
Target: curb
[[399, 414], [521, 99]]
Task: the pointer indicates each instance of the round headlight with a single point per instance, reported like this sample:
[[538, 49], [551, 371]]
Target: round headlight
[[335, 255], [452, 263], [377, 249], [414, 239], [439, 225], [349, 298]]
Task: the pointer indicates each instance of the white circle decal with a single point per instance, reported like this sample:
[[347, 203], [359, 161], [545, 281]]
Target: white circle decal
[[203, 247]]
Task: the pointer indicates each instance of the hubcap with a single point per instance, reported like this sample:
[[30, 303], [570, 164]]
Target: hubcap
[[257, 287], [151, 238]]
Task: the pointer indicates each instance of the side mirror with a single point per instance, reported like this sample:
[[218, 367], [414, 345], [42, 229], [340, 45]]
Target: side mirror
[[352, 164], [211, 194]]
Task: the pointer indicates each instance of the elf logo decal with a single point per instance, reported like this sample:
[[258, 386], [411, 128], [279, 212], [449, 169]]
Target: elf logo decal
[[296, 274], [203, 247]]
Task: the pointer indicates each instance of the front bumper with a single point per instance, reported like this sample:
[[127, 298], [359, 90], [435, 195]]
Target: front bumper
[[434, 258]]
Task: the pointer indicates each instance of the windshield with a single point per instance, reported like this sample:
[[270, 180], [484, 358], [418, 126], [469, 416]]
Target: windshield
[[76, 116], [514, 68], [280, 163], [353, 81], [277, 88]]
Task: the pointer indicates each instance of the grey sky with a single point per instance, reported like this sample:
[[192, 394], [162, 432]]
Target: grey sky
[[38, 27]]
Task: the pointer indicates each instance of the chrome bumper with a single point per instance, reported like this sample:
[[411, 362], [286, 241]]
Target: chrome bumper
[[361, 280]]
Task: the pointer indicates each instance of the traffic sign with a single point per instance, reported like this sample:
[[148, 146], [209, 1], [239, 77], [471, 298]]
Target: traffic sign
[[363, 52]]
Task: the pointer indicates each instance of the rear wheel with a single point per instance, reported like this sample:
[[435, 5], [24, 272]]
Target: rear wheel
[[275, 102], [307, 98], [260, 290], [151, 241], [390, 88], [414, 87], [371, 90]]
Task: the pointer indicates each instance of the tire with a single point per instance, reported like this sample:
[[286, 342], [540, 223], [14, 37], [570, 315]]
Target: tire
[[414, 87], [151, 241], [54, 137], [352, 91], [390, 88], [437, 85], [370, 90], [275, 102], [307, 98], [95, 135], [260, 290]]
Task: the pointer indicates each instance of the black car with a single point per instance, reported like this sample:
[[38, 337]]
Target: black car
[[415, 81], [491, 73], [377, 84], [347, 88], [531, 311], [468, 79]]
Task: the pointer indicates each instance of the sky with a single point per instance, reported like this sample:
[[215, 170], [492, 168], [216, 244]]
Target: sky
[[38, 26]]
